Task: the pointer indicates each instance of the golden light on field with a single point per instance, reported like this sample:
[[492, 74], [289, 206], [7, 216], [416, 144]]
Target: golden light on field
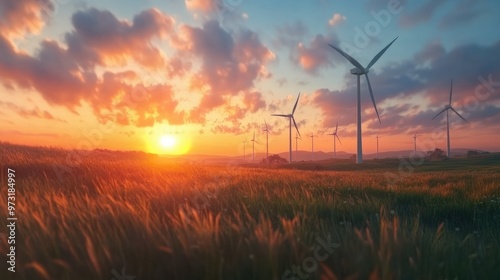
[[167, 144]]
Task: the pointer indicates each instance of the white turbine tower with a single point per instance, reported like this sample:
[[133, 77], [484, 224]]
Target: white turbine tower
[[447, 108], [290, 119], [358, 71], [253, 146], [335, 140], [266, 130]]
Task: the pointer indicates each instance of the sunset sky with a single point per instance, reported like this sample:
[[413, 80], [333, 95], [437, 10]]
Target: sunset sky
[[199, 77]]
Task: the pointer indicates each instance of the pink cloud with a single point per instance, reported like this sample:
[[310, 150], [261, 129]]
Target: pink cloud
[[18, 18], [336, 19], [230, 63]]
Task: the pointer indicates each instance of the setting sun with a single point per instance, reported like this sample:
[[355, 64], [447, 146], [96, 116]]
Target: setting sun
[[168, 141], [168, 144]]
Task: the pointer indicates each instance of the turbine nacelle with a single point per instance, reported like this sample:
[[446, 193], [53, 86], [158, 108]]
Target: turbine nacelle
[[358, 71]]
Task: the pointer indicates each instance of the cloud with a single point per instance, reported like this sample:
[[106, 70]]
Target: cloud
[[230, 62], [52, 72], [254, 101], [315, 55], [221, 10], [18, 18], [29, 113], [100, 38], [205, 6], [336, 19], [289, 35], [422, 14], [68, 77], [464, 12]]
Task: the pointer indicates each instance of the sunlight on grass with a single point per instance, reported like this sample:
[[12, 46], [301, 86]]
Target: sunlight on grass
[[186, 221]]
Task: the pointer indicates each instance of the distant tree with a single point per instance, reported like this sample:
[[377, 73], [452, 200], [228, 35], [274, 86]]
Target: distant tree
[[437, 154], [274, 159]]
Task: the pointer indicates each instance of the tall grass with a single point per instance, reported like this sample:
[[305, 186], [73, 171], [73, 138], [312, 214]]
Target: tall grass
[[164, 220]]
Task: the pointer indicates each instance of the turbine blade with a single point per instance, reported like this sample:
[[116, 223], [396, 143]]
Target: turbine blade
[[379, 54], [348, 57], [336, 127], [267, 129], [451, 90], [440, 112], [253, 137], [295, 106], [457, 113], [373, 99], [280, 115], [338, 139], [295, 124]]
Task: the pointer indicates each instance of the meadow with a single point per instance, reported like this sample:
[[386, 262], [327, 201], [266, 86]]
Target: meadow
[[97, 215]]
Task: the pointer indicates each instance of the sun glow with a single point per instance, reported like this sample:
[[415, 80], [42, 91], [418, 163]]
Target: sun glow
[[168, 144], [168, 141]]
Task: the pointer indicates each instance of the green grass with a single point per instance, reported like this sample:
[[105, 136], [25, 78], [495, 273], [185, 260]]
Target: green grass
[[185, 221]]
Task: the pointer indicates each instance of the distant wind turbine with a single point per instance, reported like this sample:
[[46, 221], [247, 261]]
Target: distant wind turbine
[[253, 146], [377, 146], [296, 146], [447, 108], [335, 137], [266, 130], [415, 143], [290, 119], [244, 147], [312, 146], [358, 71]]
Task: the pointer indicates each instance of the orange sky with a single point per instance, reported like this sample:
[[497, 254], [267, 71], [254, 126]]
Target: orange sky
[[193, 77]]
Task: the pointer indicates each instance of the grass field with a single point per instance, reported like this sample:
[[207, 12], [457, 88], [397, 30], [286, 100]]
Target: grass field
[[90, 216]]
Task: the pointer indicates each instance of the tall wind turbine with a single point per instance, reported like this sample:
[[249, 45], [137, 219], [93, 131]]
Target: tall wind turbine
[[447, 108], [358, 71], [312, 146], [290, 119], [335, 140], [297, 138], [253, 146], [266, 130], [415, 144]]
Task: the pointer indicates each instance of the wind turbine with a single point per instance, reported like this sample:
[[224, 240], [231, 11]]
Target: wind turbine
[[244, 151], [335, 140], [377, 146], [312, 146], [290, 119], [447, 108], [253, 146], [266, 130], [415, 144], [358, 71], [296, 141]]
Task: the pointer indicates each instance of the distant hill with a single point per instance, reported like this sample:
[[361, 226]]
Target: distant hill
[[304, 156]]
